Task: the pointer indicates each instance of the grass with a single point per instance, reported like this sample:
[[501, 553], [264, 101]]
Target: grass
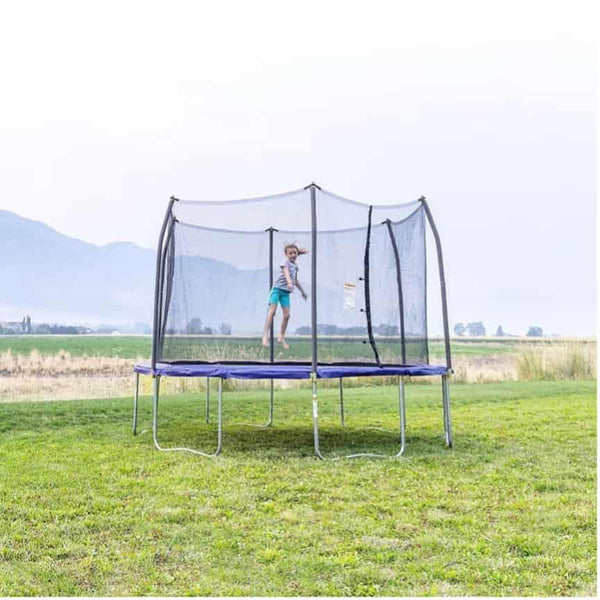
[[563, 361], [124, 346], [79, 345], [88, 509]]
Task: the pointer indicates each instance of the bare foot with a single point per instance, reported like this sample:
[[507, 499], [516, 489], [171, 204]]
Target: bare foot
[[282, 342], [265, 341]]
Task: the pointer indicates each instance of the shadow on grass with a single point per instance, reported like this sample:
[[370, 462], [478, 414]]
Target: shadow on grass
[[182, 424], [110, 420], [297, 441]]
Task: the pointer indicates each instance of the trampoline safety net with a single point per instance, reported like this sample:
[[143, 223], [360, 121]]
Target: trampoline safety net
[[218, 262]]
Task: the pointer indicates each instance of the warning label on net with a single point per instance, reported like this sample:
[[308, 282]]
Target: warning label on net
[[349, 296]]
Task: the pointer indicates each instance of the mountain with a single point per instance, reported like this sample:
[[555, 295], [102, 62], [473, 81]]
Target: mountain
[[45, 272]]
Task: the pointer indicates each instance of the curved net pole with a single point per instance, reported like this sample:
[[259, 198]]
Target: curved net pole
[[165, 290], [445, 383], [156, 311], [399, 285], [438, 245], [367, 278], [157, 284]]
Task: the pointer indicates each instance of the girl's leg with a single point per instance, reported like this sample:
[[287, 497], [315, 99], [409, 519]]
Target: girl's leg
[[268, 322], [285, 311]]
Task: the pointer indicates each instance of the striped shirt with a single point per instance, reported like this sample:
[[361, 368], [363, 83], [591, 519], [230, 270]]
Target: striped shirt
[[281, 282]]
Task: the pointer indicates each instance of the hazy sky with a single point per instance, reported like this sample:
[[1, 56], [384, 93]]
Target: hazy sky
[[486, 108]]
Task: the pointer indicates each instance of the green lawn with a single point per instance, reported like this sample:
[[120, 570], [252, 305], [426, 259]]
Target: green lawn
[[88, 509], [79, 345], [124, 346]]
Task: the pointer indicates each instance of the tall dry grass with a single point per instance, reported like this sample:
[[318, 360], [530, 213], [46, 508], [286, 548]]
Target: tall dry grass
[[561, 361], [491, 368], [61, 364], [62, 376]]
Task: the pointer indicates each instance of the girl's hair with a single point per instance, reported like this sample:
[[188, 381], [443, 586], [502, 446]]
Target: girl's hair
[[300, 250]]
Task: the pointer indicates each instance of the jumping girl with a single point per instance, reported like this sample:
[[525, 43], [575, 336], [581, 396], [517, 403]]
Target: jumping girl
[[280, 293]]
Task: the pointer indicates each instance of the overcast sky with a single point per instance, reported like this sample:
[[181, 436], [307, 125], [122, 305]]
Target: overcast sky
[[486, 108]]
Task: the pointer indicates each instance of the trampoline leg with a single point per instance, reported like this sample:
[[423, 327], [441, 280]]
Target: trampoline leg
[[155, 393], [220, 419], [208, 399], [271, 405], [183, 449], [402, 411], [342, 415], [315, 416], [446, 407], [135, 402]]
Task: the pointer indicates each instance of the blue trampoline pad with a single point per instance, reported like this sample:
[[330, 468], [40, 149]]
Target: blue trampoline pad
[[268, 371]]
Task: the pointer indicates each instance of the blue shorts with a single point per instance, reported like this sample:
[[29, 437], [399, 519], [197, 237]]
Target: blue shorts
[[281, 296]]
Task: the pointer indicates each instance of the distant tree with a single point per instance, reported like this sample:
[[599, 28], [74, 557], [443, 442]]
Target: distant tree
[[24, 324], [328, 329], [63, 329], [499, 331], [385, 329], [28, 324], [476, 329], [304, 330], [535, 332], [194, 326], [459, 329], [225, 328], [354, 331]]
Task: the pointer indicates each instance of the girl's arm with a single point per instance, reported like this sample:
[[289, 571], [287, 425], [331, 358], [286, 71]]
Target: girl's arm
[[301, 289]]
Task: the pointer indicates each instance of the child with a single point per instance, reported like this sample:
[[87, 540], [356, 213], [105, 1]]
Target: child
[[281, 293]]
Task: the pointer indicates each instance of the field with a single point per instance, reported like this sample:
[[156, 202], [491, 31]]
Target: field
[[73, 367], [140, 345], [88, 509]]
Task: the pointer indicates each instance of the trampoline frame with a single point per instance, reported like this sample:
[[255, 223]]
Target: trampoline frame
[[165, 238], [447, 421]]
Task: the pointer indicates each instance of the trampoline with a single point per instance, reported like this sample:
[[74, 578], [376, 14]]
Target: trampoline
[[364, 282]]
